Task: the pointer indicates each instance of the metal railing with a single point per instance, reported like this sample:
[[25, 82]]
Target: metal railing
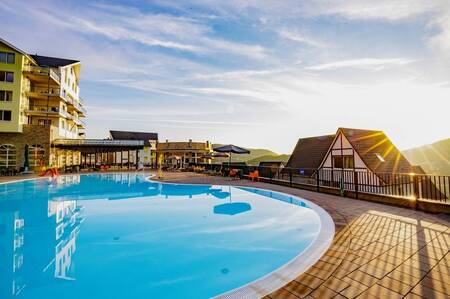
[[350, 182]]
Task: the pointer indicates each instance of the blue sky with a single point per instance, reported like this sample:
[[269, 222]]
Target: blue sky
[[252, 73]]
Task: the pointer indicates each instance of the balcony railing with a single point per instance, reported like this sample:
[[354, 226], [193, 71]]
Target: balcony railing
[[47, 110], [43, 71], [75, 103], [45, 91], [77, 120]]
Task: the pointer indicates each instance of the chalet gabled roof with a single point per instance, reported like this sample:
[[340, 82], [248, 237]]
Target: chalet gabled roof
[[377, 151], [309, 152], [127, 135], [52, 61]]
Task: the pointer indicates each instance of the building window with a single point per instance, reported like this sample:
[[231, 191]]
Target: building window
[[36, 155], [343, 162], [7, 77], [7, 155], [5, 95], [5, 115], [6, 57], [43, 122]]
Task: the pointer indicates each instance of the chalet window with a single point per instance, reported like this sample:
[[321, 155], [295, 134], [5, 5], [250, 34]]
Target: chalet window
[[6, 77], [343, 162], [5, 96], [5, 115], [6, 57]]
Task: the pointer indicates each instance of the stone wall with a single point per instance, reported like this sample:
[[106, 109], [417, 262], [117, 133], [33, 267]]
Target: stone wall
[[43, 136], [30, 135]]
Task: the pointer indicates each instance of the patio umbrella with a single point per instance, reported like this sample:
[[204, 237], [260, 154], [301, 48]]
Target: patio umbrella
[[231, 149], [230, 208], [26, 161]]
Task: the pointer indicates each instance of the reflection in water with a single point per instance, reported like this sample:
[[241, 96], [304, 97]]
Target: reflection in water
[[232, 208], [37, 242], [40, 222]]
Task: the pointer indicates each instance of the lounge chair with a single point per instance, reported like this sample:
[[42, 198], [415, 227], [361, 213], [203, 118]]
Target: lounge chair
[[254, 175]]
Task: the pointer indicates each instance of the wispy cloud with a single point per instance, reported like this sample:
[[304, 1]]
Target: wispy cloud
[[374, 64], [300, 38]]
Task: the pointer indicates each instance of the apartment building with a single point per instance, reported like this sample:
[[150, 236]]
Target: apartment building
[[39, 103]]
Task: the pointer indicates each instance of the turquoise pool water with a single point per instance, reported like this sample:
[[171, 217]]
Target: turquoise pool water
[[122, 236]]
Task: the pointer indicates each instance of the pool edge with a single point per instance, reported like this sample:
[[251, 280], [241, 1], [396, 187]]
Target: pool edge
[[292, 269]]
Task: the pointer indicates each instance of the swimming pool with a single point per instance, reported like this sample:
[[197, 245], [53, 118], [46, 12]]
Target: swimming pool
[[122, 236]]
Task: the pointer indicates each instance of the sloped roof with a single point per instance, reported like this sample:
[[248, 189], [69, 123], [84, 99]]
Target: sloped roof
[[127, 135], [309, 152], [52, 61], [371, 144]]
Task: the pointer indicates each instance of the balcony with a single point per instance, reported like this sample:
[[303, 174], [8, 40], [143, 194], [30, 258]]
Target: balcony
[[76, 104], [46, 110], [43, 92], [79, 122], [42, 74]]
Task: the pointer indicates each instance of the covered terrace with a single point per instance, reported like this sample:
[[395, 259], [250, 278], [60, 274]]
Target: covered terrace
[[103, 152]]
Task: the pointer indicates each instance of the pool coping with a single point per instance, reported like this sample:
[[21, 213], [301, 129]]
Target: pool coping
[[278, 278]]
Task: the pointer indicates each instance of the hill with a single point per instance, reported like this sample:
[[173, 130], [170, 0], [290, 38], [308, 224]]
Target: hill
[[256, 155], [272, 158], [433, 158]]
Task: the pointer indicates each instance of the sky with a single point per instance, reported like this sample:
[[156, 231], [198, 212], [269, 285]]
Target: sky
[[252, 73]]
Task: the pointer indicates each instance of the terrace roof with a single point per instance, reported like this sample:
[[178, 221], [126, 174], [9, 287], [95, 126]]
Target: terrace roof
[[98, 145]]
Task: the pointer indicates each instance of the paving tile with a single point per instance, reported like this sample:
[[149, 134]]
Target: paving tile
[[412, 296], [439, 276], [282, 294], [318, 272], [298, 289], [363, 278], [395, 285], [336, 284], [309, 280], [426, 292], [404, 277], [323, 292], [390, 259], [376, 271], [325, 266], [437, 285], [411, 270], [381, 292]]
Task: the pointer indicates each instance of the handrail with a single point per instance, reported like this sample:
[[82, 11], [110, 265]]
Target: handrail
[[353, 181]]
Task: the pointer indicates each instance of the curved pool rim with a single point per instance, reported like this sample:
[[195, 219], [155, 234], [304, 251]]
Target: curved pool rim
[[277, 278]]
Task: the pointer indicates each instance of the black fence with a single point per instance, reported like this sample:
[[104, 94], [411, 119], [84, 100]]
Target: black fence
[[356, 182]]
